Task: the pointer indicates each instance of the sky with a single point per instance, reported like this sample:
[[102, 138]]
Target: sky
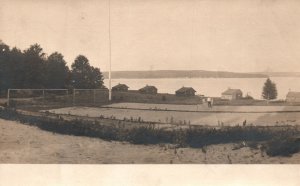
[[219, 35]]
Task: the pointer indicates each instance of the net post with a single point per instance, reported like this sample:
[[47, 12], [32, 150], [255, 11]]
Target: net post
[[67, 102], [44, 97], [74, 96], [8, 92], [94, 96]]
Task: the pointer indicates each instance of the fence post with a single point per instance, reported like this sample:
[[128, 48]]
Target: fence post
[[44, 97], [67, 97], [74, 96], [94, 96], [8, 92]]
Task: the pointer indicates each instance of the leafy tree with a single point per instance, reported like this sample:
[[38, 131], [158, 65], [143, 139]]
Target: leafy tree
[[96, 78], [84, 75], [34, 67], [56, 71], [31, 68], [269, 90], [17, 68], [11, 68], [5, 77]]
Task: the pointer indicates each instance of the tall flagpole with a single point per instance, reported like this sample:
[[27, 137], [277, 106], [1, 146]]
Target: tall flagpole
[[109, 74]]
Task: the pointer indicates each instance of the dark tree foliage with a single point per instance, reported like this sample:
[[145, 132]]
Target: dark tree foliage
[[17, 68], [97, 78], [84, 75], [269, 90], [56, 71], [5, 77], [32, 68]]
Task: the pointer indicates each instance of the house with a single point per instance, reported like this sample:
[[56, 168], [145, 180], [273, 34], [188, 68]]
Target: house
[[293, 97], [232, 94], [148, 90], [185, 91], [120, 87]]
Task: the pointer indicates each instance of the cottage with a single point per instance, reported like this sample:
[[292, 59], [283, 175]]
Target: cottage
[[293, 97], [232, 94], [185, 91], [120, 87], [148, 90]]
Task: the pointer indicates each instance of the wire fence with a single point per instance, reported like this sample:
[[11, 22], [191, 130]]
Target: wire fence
[[56, 97], [90, 96]]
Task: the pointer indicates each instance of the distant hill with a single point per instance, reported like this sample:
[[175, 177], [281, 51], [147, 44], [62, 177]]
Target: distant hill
[[281, 74], [181, 74]]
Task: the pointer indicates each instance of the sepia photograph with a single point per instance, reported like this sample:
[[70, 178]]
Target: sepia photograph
[[149, 82]]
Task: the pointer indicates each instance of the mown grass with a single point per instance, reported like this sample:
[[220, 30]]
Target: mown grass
[[275, 139]]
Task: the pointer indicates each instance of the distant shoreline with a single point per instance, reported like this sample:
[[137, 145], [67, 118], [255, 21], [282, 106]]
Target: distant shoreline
[[165, 74], [160, 74], [184, 77]]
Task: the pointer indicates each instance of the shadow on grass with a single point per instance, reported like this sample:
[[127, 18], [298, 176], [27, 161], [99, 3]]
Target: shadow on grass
[[283, 147]]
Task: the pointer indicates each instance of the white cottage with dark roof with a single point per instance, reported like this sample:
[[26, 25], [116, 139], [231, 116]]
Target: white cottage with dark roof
[[120, 87], [185, 91], [293, 97], [232, 94]]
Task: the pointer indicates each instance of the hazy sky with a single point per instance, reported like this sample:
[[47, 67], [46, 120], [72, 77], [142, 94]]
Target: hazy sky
[[231, 35]]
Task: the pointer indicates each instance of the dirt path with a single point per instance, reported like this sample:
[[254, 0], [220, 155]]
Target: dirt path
[[26, 144]]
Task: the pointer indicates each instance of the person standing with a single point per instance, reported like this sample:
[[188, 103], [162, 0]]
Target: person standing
[[209, 102]]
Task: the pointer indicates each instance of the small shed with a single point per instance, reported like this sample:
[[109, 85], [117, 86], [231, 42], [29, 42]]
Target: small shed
[[148, 89], [232, 94], [120, 87], [185, 91], [293, 97]]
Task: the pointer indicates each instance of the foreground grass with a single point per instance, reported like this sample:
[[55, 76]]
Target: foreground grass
[[276, 141]]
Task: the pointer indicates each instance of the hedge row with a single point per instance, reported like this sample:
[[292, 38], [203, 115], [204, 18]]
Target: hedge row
[[196, 137]]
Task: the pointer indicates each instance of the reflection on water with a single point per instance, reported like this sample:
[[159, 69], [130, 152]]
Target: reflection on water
[[214, 86]]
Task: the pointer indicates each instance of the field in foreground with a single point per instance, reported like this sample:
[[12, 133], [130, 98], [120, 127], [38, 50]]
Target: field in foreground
[[27, 144]]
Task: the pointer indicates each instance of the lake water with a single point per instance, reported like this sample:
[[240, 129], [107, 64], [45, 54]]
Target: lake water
[[214, 86]]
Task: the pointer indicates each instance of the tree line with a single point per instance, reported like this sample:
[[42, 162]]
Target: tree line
[[32, 68]]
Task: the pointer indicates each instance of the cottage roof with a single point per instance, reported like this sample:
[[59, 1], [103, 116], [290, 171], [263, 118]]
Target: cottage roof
[[185, 89], [120, 86], [232, 91], [293, 94], [148, 87]]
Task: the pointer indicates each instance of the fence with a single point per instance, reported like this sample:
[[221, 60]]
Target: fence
[[58, 97], [36, 96], [88, 97]]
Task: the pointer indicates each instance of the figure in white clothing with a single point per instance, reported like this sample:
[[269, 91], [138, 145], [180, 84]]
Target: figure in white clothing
[[209, 102]]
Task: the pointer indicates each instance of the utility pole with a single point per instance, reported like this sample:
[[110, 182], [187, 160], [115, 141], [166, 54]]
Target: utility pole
[[109, 38]]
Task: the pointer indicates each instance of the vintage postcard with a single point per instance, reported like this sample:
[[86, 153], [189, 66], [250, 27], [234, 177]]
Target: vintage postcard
[[150, 82]]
